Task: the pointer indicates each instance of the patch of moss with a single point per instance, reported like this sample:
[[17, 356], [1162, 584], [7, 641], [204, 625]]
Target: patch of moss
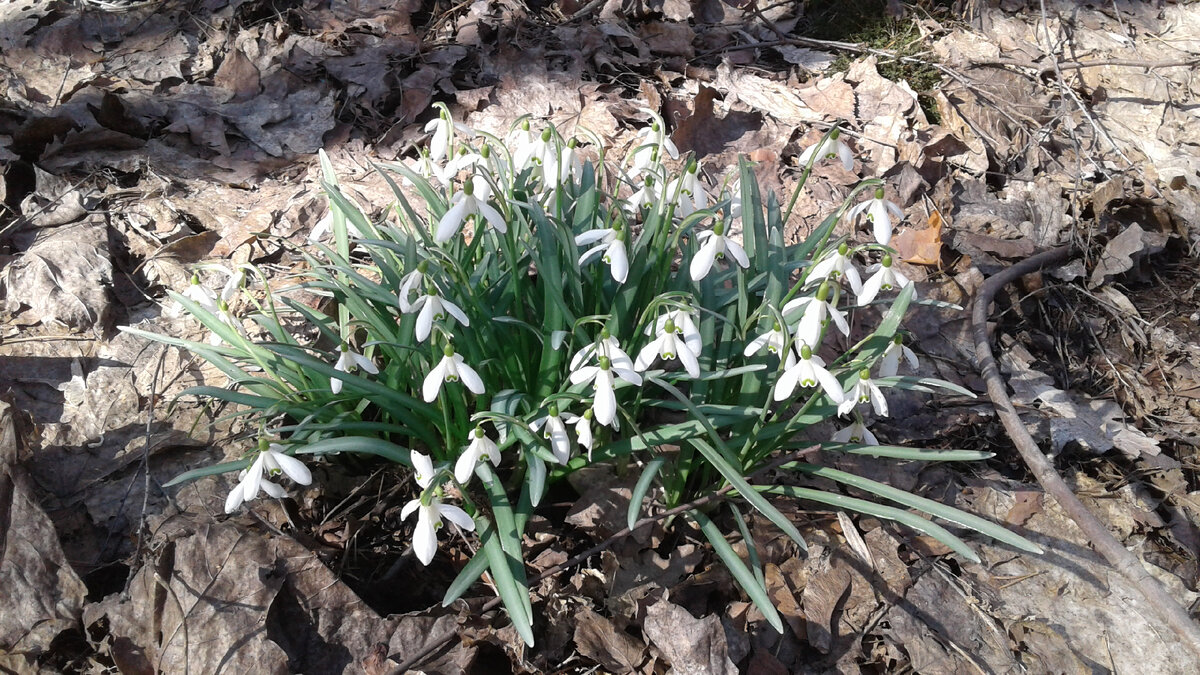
[[867, 22]]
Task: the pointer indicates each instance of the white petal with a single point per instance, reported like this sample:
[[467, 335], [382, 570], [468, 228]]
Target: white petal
[[413, 505], [433, 381], [335, 385], [845, 155], [889, 364], [425, 319], [584, 374], [455, 312], [605, 401], [465, 465], [254, 477], [592, 236], [293, 468], [425, 538], [857, 209], [910, 356], [234, 501], [830, 384], [273, 489], [882, 223], [689, 361], [839, 320], [703, 261], [756, 345], [877, 399], [451, 221], [457, 516], [648, 353], [422, 468], [739, 254], [894, 210], [628, 375], [787, 383], [871, 288], [365, 363], [592, 253], [851, 274], [469, 377], [846, 405], [493, 217], [619, 263]]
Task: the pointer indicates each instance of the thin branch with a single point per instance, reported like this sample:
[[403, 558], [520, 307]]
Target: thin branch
[[1096, 532]]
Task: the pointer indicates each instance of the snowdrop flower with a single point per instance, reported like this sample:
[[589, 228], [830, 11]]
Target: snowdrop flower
[[830, 147], [652, 141], [348, 361], [471, 201], [862, 390], [606, 346], [775, 342], [884, 279], [835, 266], [817, 312], [715, 245], [450, 369], [430, 510], [412, 283], [889, 364], [554, 429], [583, 432], [691, 196], [432, 308], [537, 154], [237, 276], [565, 168], [443, 135], [201, 295], [855, 433], [880, 212], [674, 341], [611, 246], [601, 377], [272, 461], [226, 317], [481, 447], [645, 197], [809, 371]]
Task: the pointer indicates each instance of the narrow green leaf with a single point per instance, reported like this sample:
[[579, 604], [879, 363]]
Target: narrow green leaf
[[642, 487], [741, 574], [514, 596], [466, 578], [213, 470]]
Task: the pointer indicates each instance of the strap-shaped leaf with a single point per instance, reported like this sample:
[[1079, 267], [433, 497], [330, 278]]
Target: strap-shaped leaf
[[641, 488], [741, 573]]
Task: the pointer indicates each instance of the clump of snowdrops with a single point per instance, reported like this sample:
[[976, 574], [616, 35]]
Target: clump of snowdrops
[[532, 311]]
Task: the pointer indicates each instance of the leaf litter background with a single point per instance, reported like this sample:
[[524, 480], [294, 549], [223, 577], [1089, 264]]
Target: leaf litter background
[[140, 139]]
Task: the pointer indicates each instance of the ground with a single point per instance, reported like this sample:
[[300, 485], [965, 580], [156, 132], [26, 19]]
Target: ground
[[141, 139]]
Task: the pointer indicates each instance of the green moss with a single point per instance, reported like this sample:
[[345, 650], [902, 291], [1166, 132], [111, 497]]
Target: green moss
[[867, 22]]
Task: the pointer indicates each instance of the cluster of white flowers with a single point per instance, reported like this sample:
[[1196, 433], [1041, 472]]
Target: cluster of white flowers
[[483, 177]]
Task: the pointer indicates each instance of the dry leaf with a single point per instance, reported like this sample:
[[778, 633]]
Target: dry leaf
[[921, 247], [599, 640], [692, 646]]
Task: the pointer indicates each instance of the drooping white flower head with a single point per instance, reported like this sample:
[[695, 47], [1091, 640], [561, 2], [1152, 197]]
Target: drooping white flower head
[[645, 197], [583, 432], [606, 346], [610, 246], [715, 245], [817, 311], [348, 361], [885, 278], [226, 317], [480, 448], [411, 283], [808, 371], [441, 144], [538, 153], [862, 390], [889, 363], [830, 147], [566, 168], [272, 460], [433, 307], [835, 266], [880, 213], [775, 342], [430, 511], [855, 433], [554, 429], [472, 200], [676, 337], [450, 369], [690, 194], [652, 143], [201, 295], [601, 376]]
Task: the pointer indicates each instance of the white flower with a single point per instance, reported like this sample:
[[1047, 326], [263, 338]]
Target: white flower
[[644, 197], [880, 212], [272, 461], [817, 310], [430, 511], [583, 432], [889, 364], [834, 266], [775, 341], [831, 147], [691, 196], [237, 276], [472, 200], [862, 390], [611, 246], [855, 433], [432, 308], [652, 143], [606, 346], [450, 369], [348, 361], [443, 135], [715, 245], [410, 283], [538, 153], [554, 429], [480, 447], [201, 295], [677, 338], [809, 371], [566, 168], [884, 279], [226, 317], [601, 377]]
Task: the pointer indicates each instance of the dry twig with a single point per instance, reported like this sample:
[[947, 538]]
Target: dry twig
[[1043, 469]]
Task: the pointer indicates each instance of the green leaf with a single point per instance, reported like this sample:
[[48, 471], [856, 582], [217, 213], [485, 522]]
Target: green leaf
[[466, 578], [514, 596], [936, 509], [213, 470], [744, 577], [642, 487], [901, 452], [360, 444]]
